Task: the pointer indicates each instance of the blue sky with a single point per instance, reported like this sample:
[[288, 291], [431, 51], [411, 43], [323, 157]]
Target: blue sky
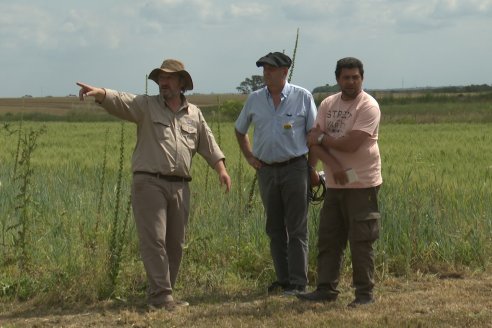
[[46, 46]]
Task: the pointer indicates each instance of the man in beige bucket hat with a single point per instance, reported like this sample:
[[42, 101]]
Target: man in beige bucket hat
[[170, 131], [173, 66]]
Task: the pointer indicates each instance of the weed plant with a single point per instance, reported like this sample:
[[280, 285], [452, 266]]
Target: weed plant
[[17, 234]]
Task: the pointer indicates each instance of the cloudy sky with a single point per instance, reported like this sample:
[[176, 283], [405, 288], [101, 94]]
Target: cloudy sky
[[46, 46]]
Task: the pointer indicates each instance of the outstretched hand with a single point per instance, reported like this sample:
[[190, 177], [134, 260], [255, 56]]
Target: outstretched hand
[[90, 91]]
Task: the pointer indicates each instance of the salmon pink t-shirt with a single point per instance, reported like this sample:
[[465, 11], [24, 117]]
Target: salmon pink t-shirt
[[337, 117]]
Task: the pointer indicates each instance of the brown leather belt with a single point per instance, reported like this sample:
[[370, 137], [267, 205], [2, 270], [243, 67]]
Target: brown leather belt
[[169, 178], [287, 162]]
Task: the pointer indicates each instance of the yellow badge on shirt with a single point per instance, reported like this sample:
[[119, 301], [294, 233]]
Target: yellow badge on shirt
[[287, 126]]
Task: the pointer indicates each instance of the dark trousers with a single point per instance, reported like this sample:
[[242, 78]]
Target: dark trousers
[[348, 215], [283, 191]]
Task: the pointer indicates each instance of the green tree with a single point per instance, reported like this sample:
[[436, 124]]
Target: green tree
[[250, 84], [326, 88], [230, 109]]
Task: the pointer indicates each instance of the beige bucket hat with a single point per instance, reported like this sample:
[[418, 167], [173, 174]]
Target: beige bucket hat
[[172, 66]]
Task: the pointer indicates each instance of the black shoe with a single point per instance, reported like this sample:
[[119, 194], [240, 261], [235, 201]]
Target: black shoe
[[277, 287], [360, 301], [319, 295], [294, 289]]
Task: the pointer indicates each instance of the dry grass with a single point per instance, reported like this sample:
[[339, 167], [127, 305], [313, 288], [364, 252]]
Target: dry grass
[[63, 105], [58, 106], [422, 301]]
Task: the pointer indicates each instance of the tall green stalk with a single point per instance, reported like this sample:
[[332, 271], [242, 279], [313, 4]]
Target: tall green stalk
[[28, 143], [102, 180], [118, 227], [218, 120], [239, 188], [17, 151], [294, 56]]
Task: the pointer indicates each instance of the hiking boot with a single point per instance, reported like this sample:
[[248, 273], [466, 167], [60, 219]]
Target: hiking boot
[[360, 301], [169, 305], [294, 289], [319, 295], [277, 287]]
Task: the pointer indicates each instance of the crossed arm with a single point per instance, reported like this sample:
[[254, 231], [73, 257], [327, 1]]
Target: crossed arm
[[348, 143], [321, 150]]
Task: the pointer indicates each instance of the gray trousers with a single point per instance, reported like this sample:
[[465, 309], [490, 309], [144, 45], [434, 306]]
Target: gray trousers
[[348, 215], [283, 191], [161, 210]]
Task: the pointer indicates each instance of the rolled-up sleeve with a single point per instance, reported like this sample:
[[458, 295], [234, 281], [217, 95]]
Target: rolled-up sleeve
[[243, 121], [311, 112], [123, 105]]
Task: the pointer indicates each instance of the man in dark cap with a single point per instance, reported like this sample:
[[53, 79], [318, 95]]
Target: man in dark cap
[[170, 131], [282, 115]]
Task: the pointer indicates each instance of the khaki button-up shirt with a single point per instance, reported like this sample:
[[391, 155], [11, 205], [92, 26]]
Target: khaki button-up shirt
[[166, 141]]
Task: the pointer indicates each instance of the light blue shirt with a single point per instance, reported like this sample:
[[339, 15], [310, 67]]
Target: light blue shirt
[[278, 134]]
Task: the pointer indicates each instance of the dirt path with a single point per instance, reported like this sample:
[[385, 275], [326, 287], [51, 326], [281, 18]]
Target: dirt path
[[423, 301]]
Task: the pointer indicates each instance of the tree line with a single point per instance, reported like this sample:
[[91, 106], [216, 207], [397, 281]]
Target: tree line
[[255, 82]]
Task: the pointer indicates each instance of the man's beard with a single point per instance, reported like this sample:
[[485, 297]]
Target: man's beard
[[168, 93]]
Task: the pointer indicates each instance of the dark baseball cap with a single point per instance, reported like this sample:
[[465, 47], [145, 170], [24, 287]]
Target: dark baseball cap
[[275, 59]]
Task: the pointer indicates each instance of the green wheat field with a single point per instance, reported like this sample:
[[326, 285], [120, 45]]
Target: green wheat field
[[67, 232]]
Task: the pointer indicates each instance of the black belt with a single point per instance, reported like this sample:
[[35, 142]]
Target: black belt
[[169, 178], [287, 162]]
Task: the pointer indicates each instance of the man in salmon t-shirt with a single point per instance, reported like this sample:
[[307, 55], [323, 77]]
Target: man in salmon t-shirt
[[345, 140]]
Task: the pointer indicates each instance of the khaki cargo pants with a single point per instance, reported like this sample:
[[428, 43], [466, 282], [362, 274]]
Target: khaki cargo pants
[[161, 210]]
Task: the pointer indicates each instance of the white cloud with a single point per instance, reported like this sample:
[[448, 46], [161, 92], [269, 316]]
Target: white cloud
[[252, 10], [314, 10], [33, 26], [21, 24], [462, 7], [183, 13], [219, 41]]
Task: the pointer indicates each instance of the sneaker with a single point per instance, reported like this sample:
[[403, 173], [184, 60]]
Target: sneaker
[[169, 305], [360, 301], [319, 295], [277, 287], [294, 289]]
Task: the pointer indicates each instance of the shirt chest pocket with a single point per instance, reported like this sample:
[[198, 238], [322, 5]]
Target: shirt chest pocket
[[289, 122], [190, 135], [162, 129]]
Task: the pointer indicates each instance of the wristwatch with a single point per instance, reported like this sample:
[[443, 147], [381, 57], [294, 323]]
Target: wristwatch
[[320, 138]]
